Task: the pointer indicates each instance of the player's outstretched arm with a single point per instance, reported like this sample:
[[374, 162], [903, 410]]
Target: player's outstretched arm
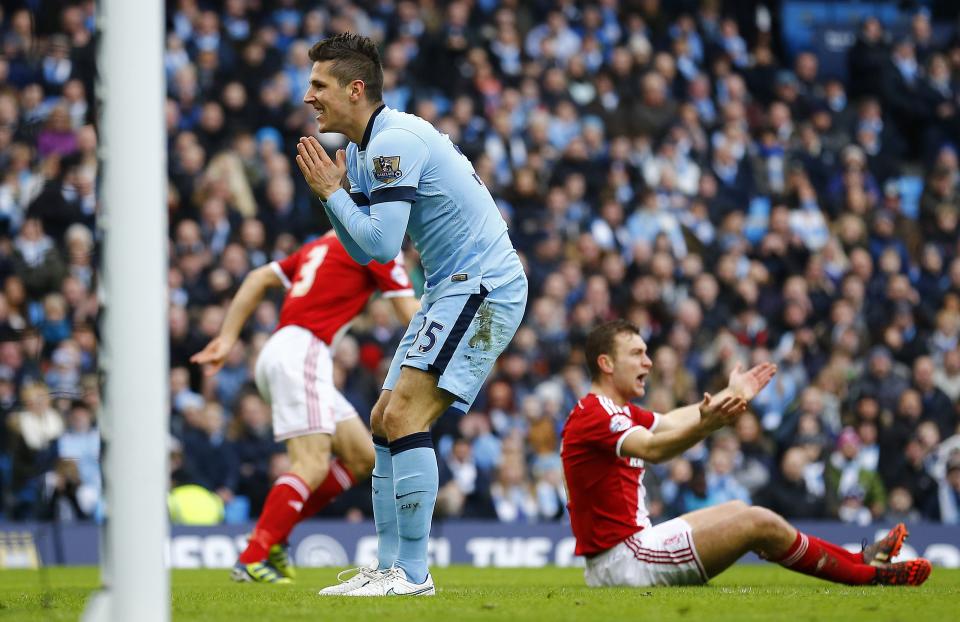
[[742, 384], [405, 307], [251, 292], [713, 414], [679, 418]]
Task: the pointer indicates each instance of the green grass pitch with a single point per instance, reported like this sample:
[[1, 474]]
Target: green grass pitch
[[514, 595]]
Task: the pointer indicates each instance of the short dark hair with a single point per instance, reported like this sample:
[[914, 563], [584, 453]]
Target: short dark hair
[[601, 340], [354, 57]]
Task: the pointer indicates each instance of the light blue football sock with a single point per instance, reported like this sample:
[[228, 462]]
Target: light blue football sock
[[384, 504], [415, 482]]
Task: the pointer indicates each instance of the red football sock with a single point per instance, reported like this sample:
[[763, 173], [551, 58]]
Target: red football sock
[[280, 513], [839, 551], [338, 479], [813, 556]]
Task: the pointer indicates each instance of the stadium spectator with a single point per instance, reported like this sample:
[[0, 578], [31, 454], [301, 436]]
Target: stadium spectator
[[788, 492], [947, 375], [32, 448], [854, 492], [80, 442], [549, 488], [36, 260], [949, 493], [251, 436], [464, 485], [934, 402], [208, 457], [510, 492], [66, 497], [900, 507]]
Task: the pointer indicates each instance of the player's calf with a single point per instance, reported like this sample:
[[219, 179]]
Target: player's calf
[[338, 479], [771, 533], [310, 458], [281, 511], [354, 448]]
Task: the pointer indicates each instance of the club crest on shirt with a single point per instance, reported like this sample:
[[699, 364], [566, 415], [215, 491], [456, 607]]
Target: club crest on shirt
[[619, 423], [386, 169]]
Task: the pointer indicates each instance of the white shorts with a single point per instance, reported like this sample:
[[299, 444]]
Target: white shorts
[[660, 555], [294, 374]]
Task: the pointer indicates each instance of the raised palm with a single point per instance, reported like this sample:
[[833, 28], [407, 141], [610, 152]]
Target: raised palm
[[747, 384], [716, 413]]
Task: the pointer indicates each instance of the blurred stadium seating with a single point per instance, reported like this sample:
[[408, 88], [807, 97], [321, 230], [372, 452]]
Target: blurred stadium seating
[[743, 185]]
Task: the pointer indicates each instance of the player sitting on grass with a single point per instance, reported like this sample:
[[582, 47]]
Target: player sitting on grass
[[326, 289], [606, 442]]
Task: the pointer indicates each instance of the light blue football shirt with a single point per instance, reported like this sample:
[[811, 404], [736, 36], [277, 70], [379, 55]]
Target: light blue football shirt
[[454, 223]]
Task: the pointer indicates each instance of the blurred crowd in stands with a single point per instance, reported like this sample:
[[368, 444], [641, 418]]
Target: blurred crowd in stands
[[657, 161]]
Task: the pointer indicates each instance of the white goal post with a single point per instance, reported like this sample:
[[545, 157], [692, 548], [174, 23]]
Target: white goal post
[[134, 348]]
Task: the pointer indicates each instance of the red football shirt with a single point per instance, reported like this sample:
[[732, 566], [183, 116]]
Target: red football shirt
[[326, 288], [605, 490]]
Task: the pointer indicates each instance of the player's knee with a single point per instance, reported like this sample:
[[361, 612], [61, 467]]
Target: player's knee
[[766, 523], [396, 417], [735, 507], [376, 423], [393, 424], [360, 463], [312, 469], [358, 458], [376, 417]]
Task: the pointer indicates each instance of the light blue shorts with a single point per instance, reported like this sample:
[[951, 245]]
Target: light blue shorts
[[459, 338]]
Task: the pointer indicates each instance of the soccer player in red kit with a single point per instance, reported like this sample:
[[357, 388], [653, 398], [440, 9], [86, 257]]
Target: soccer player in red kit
[[606, 442], [326, 289]]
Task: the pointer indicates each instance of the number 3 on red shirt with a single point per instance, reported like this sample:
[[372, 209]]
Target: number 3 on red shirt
[[308, 271]]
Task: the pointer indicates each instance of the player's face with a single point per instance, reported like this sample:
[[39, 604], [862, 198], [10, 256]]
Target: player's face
[[631, 365], [329, 100]]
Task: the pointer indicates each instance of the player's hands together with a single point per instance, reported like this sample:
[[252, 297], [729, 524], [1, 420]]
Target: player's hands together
[[323, 175], [747, 384], [213, 356], [715, 414]]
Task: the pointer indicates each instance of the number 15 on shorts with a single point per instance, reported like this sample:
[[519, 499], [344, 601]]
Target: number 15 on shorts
[[429, 337]]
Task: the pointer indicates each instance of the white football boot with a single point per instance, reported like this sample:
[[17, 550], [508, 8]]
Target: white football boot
[[394, 582], [347, 583]]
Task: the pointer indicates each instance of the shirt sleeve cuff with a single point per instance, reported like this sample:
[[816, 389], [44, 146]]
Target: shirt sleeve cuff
[[656, 421], [339, 202], [624, 436], [398, 293], [283, 277]]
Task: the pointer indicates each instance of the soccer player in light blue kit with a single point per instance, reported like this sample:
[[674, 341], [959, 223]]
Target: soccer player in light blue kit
[[406, 177]]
